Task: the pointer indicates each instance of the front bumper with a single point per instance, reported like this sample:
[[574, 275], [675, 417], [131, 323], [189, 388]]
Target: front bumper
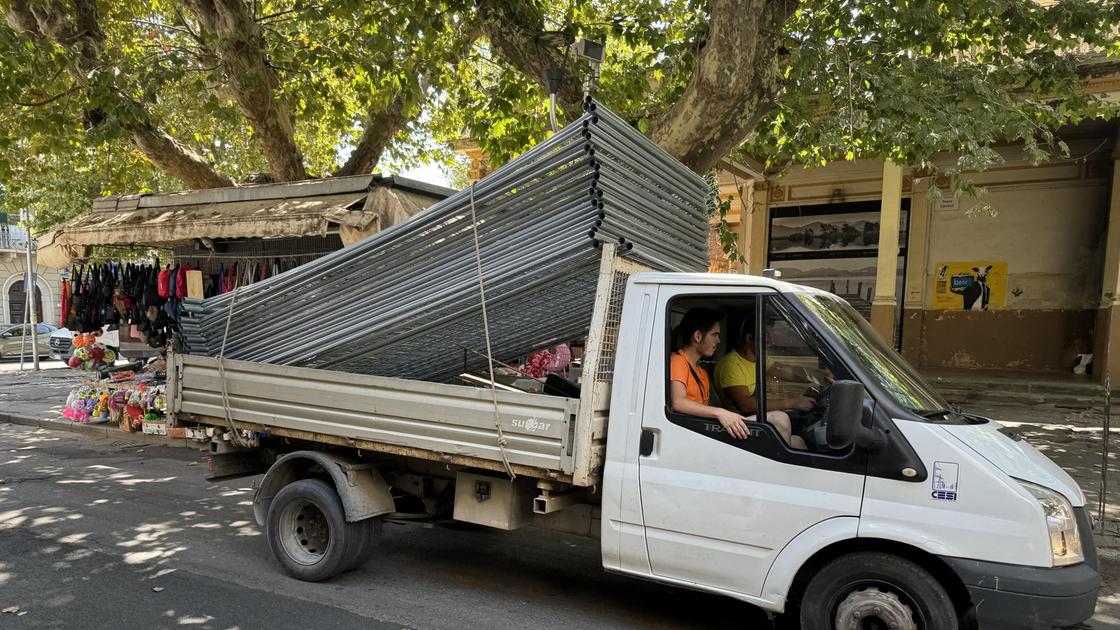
[[1008, 596]]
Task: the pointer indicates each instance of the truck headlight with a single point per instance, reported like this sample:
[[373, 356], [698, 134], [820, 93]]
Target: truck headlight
[[1065, 540]]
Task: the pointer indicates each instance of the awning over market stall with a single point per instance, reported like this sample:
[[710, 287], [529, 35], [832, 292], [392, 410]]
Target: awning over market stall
[[354, 206]]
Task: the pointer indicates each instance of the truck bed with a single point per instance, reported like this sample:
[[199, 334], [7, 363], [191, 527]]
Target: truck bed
[[548, 437], [416, 418]]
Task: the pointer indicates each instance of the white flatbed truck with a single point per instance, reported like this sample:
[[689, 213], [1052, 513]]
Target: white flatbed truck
[[901, 513]]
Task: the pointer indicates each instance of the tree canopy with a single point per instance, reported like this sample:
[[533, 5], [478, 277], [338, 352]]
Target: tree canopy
[[101, 97]]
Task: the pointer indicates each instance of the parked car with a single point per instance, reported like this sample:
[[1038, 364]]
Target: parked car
[[61, 341], [12, 340]]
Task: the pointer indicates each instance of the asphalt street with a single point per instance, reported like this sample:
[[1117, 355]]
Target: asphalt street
[[92, 521], [110, 533]]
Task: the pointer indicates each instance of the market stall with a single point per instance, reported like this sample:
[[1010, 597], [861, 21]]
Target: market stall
[[210, 242]]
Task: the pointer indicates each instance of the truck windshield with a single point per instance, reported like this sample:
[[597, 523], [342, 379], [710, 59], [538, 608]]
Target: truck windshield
[[881, 362]]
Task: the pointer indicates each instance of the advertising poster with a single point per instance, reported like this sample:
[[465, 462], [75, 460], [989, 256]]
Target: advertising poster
[[970, 286]]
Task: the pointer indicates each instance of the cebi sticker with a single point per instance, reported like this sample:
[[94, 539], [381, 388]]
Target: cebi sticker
[[945, 478]]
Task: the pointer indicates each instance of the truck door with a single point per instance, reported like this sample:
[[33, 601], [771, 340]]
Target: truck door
[[717, 510]]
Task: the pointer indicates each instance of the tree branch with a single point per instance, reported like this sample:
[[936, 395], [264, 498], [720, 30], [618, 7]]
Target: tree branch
[[736, 79], [229, 29], [174, 158], [79, 34], [382, 124], [46, 101], [513, 27], [380, 127]]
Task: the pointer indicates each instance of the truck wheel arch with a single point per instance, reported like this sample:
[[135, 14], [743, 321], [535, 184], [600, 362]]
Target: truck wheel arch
[[361, 488], [781, 583]]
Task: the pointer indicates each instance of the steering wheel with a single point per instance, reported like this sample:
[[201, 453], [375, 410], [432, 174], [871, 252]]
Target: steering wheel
[[816, 428]]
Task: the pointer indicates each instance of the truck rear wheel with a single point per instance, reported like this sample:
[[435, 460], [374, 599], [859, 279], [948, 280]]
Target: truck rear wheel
[[368, 532], [308, 532], [872, 590]]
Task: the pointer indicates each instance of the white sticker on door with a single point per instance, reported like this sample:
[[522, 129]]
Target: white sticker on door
[[945, 478]]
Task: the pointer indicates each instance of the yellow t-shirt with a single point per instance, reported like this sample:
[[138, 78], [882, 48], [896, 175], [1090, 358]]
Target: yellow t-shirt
[[736, 370]]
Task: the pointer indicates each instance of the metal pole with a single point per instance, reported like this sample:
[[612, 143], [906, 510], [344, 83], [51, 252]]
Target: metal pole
[[1102, 500], [30, 287], [26, 316]]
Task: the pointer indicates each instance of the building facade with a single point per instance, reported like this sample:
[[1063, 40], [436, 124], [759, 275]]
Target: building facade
[[13, 278], [1024, 278]]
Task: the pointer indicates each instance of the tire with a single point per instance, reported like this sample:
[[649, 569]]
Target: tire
[[859, 587], [368, 532], [308, 532]]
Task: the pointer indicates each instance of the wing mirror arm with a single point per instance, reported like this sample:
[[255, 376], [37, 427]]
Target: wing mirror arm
[[868, 436], [850, 420]]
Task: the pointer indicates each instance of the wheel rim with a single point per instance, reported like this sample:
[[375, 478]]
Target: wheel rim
[[876, 606], [305, 532]]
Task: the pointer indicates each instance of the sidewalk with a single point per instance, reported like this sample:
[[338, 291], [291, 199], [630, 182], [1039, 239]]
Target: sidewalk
[[37, 398], [1018, 388]]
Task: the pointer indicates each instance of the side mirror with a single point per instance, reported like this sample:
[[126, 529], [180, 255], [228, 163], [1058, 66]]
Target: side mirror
[[845, 414]]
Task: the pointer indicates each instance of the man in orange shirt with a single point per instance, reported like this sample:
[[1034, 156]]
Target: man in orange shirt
[[689, 387]]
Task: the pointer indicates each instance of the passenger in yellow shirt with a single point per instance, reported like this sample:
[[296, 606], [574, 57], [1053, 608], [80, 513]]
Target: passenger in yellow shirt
[[736, 381]]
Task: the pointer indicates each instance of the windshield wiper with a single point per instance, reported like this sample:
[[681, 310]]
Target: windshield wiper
[[935, 413]]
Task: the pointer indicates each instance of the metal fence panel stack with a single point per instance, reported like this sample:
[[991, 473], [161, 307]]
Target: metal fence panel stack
[[406, 301]]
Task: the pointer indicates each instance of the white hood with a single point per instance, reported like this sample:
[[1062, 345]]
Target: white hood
[[1016, 458]]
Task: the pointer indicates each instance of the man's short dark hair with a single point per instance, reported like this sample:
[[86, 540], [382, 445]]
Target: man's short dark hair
[[747, 327], [696, 319]]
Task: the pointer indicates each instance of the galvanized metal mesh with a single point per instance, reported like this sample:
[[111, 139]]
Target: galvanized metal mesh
[[406, 301], [610, 328]]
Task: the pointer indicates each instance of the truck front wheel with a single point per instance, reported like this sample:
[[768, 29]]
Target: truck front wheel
[[875, 590], [308, 532]]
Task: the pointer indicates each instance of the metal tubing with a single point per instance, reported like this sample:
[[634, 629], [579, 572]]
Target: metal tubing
[[398, 302]]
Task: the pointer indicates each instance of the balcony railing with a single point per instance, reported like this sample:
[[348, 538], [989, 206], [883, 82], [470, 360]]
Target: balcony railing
[[13, 241]]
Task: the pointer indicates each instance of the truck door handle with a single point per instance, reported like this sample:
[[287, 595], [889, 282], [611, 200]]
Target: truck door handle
[[645, 447]]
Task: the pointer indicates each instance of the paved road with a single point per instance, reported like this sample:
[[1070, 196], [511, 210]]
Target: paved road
[[90, 526]]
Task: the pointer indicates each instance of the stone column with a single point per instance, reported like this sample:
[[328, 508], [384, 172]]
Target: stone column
[[757, 217], [480, 160], [917, 269], [1106, 353], [744, 230], [884, 308]]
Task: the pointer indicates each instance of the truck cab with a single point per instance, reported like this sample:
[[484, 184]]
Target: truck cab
[[897, 510]]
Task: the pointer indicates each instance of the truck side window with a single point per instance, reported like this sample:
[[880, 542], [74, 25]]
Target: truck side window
[[698, 337], [799, 370], [790, 393]]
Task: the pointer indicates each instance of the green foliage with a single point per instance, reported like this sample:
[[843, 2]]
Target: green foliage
[[336, 60], [718, 208], [898, 79], [907, 80]]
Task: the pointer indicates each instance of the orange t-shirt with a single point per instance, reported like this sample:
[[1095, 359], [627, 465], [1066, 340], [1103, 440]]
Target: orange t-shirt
[[680, 370]]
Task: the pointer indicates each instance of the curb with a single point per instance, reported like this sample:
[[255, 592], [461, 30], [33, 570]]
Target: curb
[[105, 430]]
